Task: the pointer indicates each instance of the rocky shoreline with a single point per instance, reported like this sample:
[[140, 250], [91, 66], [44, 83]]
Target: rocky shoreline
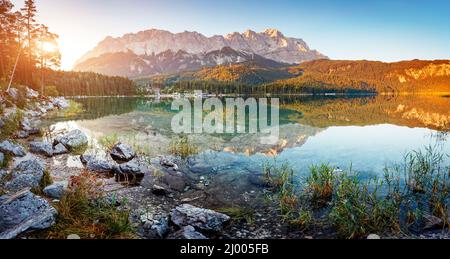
[[163, 200]]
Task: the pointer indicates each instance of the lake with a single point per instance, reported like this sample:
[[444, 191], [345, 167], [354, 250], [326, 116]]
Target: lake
[[363, 133]]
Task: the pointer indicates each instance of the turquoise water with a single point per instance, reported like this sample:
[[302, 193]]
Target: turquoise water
[[364, 133]]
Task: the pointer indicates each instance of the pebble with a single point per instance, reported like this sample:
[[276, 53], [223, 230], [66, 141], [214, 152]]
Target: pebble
[[73, 236]]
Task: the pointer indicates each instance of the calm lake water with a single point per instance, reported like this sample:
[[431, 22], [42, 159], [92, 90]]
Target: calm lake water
[[365, 133]]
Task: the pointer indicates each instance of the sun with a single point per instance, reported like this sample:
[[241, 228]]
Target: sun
[[48, 46]]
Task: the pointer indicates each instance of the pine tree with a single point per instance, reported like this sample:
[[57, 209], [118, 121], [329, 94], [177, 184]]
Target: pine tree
[[29, 17]]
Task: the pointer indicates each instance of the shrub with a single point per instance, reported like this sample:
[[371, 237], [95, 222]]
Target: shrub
[[183, 147], [321, 183], [11, 125], [83, 210], [360, 209], [109, 141], [51, 91]]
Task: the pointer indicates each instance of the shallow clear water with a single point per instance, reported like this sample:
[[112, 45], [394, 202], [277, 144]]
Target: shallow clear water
[[366, 133]]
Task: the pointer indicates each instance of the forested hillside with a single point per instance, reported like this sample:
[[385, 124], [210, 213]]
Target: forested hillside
[[320, 76], [29, 55]]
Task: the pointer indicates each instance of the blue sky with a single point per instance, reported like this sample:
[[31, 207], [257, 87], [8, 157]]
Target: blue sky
[[387, 30]]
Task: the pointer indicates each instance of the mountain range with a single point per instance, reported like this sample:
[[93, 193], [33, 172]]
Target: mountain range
[[155, 52]]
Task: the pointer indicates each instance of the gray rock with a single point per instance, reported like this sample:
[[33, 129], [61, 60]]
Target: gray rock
[[49, 107], [99, 166], [31, 94], [13, 93], [60, 149], [25, 124], [168, 163], [23, 212], [2, 158], [202, 219], [11, 148], [189, 233], [373, 237], [122, 152], [21, 134], [131, 168], [156, 228], [60, 102], [73, 237], [43, 148], [86, 158], [27, 174], [175, 180], [56, 190], [72, 140], [159, 190]]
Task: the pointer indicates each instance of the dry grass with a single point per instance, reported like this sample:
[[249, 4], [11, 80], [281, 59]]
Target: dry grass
[[84, 211]]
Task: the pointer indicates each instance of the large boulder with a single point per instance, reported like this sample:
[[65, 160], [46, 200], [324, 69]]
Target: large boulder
[[23, 212], [27, 174], [73, 140], [43, 148], [56, 190], [202, 219], [122, 153], [188, 233], [11, 148]]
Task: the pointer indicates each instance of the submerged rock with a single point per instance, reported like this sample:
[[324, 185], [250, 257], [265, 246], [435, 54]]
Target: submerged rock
[[27, 174], [43, 148], [122, 152], [432, 222], [73, 140], [56, 190], [11, 148], [23, 212], [202, 219], [188, 232]]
